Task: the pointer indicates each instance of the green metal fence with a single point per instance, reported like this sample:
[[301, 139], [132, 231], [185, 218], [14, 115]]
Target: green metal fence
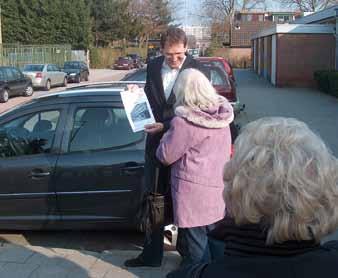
[[18, 55]]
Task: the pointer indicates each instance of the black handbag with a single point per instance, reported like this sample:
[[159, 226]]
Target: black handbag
[[156, 209]]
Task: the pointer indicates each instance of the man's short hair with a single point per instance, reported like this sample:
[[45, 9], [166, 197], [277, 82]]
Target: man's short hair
[[173, 35]]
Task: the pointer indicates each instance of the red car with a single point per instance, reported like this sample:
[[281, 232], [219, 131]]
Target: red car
[[124, 63], [220, 62], [222, 81]]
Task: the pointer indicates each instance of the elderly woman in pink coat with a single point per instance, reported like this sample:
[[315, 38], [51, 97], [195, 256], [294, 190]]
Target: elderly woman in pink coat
[[197, 146]]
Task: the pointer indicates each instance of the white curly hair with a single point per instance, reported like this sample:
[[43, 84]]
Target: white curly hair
[[283, 176]]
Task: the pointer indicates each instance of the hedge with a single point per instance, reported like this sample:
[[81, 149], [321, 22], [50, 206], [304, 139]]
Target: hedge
[[327, 81]]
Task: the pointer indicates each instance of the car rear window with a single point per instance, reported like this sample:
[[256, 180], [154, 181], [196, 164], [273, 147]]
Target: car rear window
[[72, 65], [214, 63], [33, 68]]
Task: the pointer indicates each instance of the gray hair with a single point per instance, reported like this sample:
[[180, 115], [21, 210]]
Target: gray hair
[[283, 176], [193, 89]]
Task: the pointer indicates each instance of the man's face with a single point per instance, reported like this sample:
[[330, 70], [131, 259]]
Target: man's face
[[174, 54]]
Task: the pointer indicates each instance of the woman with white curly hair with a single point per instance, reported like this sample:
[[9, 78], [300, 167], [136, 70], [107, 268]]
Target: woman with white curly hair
[[197, 145], [281, 191]]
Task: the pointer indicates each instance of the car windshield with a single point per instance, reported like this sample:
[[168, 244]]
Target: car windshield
[[72, 65], [33, 68], [214, 63]]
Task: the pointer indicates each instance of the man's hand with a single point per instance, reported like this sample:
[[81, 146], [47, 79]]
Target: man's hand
[[153, 128]]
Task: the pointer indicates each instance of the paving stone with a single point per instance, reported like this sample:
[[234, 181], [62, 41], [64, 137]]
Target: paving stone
[[63, 251], [99, 269], [121, 273], [54, 271], [14, 253], [17, 270], [82, 259], [171, 261]]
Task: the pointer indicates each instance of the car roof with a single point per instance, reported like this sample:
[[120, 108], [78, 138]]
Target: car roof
[[93, 92], [211, 59]]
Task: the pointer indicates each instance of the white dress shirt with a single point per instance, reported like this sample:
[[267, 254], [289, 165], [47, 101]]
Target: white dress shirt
[[169, 76]]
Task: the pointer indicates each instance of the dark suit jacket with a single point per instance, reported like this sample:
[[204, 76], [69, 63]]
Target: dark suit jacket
[[162, 109]]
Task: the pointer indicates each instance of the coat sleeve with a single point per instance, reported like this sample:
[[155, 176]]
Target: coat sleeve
[[175, 142]]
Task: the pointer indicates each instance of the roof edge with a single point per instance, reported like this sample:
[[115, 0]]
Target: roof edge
[[327, 13], [295, 29]]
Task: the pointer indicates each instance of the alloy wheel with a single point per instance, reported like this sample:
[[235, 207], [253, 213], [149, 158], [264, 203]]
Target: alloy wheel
[[4, 96], [47, 85], [29, 91]]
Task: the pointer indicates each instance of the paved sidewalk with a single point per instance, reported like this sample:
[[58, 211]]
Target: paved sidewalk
[[40, 262]]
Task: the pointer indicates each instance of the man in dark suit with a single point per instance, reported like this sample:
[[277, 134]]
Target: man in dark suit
[[162, 73]]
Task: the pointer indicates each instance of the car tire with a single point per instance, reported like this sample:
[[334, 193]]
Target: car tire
[[28, 91], [4, 96], [78, 79], [65, 82], [48, 85]]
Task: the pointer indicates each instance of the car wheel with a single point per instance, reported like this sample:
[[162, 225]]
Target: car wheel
[[78, 79], [65, 81], [4, 96], [48, 85], [28, 91]]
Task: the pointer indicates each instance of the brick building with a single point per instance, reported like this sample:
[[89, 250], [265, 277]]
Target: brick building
[[248, 23], [237, 34], [289, 54]]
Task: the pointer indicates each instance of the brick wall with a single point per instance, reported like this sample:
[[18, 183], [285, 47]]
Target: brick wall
[[300, 55]]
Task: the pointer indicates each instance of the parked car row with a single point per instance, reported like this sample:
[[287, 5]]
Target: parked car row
[[14, 82], [131, 61]]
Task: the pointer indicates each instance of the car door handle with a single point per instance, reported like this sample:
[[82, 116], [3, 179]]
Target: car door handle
[[132, 170], [39, 174]]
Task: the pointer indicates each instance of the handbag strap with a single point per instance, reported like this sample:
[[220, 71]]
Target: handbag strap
[[157, 173]]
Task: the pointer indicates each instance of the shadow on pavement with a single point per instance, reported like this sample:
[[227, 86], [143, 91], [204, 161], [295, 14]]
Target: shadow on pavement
[[38, 262]]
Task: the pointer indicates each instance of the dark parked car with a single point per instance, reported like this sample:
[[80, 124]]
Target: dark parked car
[[76, 71], [70, 160], [137, 60], [123, 63], [13, 82]]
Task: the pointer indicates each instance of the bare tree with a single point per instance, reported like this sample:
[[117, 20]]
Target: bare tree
[[222, 9], [221, 12], [309, 5], [153, 17]]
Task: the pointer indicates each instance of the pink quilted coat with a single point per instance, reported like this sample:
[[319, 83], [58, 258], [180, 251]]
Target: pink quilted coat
[[197, 145]]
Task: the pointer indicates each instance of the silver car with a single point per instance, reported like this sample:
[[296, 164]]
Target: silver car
[[45, 75]]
